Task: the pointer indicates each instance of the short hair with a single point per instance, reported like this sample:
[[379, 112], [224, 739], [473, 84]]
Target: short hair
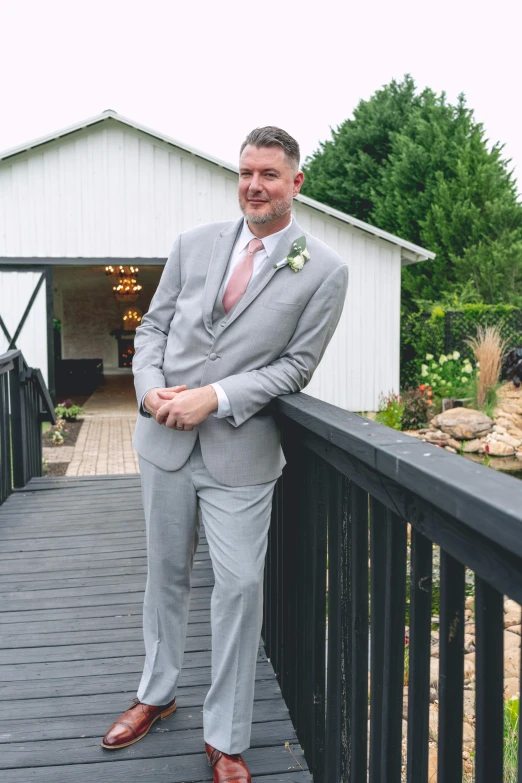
[[270, 136]]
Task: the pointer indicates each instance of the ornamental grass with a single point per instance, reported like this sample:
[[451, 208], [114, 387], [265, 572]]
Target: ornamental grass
[[488, 347]]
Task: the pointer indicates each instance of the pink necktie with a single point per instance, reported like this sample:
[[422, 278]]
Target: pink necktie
[[240, 277]]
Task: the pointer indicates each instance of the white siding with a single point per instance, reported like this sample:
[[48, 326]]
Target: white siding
[[114, 191], [15, 291], [107, 191]]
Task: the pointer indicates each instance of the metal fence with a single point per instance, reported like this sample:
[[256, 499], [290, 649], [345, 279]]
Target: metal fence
[[336, 585], [420, 334], [24, 404]]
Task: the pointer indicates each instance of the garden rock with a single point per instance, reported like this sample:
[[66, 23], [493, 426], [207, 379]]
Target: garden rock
[[497, 448], [504, 437], [512, 662], [511, 686], [511, 641], [463, 423], [472, 446], [512, 613], [435, 436]]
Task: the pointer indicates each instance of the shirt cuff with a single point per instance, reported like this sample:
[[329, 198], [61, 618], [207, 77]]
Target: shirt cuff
[[143, 410], [223, 402]]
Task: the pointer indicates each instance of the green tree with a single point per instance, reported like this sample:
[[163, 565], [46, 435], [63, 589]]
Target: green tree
[[419, 167]]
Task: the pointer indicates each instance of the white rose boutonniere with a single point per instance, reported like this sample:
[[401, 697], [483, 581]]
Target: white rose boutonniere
[[298, 256]]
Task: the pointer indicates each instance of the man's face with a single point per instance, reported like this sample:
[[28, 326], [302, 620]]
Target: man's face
[[267, 183]]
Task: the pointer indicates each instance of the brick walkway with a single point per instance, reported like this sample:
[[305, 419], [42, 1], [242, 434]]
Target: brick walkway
[[104, 443]]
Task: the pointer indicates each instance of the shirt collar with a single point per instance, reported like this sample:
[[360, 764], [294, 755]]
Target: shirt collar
[[270, 242]]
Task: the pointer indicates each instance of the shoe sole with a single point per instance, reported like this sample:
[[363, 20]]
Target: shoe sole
[[161, 716]]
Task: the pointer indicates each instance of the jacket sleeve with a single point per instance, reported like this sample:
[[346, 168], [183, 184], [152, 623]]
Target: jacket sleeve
[[250, 391], [151, 334]]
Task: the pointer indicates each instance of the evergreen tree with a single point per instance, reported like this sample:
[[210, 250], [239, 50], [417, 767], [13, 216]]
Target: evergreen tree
[[419, 167]]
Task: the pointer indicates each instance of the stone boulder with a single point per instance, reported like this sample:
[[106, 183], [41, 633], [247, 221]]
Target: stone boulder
[[497, 448], [463, 423]]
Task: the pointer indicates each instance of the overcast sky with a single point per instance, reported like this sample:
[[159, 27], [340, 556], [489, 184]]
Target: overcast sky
[[208, 72]]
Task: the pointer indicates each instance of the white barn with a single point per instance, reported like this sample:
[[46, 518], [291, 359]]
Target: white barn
[[111, 191]]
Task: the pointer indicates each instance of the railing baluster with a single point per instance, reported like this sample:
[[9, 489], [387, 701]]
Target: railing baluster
[[5, 439], [489, 658], [378, 533], [292, 528], [419, 657], [393, 681], [317, 615], [335, 708], [451, 671], [304, 544], [359, 517]]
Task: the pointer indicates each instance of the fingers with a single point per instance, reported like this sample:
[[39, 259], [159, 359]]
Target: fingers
[[171, 389]]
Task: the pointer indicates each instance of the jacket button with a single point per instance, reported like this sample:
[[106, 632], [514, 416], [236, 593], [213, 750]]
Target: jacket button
[[223, 323], [213, 356]]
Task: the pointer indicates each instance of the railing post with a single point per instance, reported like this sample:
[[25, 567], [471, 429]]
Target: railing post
[[18, 423]]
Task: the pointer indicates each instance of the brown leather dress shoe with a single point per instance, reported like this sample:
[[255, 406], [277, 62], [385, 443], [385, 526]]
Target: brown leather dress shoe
[[227, 767], [135, 723]]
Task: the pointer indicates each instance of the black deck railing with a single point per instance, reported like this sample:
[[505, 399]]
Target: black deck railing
[[24, 404], [336, 594]]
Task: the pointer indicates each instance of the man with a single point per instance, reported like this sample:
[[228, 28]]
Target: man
[[243, 313]]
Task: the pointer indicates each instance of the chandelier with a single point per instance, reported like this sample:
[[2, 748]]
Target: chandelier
[[127, 288], [132, 318]]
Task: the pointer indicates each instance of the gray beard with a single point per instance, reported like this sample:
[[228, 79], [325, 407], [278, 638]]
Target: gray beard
[[280, 209]]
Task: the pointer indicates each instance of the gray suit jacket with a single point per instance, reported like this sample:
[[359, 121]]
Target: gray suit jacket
[[268, 344]]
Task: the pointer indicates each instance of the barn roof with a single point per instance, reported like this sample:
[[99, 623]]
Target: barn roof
[[410, 252]]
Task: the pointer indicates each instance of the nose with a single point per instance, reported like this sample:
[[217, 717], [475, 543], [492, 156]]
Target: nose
[[255, 183]]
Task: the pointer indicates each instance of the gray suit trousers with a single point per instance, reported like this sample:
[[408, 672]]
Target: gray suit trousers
[[236, 522]]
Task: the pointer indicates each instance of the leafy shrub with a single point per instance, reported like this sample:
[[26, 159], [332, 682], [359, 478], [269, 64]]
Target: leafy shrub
[[417, 403], [390, 411], [448, 376], [68, 410]]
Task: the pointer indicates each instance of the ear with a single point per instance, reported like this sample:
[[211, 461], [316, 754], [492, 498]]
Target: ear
[[298, 181]]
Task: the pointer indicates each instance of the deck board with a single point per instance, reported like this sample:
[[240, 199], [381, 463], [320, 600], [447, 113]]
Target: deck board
[[72, 575]]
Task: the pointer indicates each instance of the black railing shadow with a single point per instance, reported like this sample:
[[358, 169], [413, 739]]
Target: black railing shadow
[[24, 404], [336, 586]]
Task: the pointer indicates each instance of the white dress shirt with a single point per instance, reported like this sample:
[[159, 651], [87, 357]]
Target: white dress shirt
[[239, 250]]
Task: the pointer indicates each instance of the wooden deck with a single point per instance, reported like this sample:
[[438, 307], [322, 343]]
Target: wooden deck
[[72, 574]]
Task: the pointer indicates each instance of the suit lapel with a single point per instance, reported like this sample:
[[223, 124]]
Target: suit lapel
[[218, 263], [267, 272]]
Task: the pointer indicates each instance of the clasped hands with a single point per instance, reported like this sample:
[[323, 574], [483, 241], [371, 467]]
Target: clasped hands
[[179, 408]]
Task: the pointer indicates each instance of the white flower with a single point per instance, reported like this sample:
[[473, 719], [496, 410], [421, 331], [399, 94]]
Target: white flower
[[442, 359], [456, 355], [305, 254], [434, 365], [424, 366], [477, 364], [297, 262], [468, 368], [464, 380], [429, 357], [424, 371]]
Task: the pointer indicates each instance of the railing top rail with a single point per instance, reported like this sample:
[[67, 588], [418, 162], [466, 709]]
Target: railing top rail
[[8, 356], [488, 502], [7, 360]]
